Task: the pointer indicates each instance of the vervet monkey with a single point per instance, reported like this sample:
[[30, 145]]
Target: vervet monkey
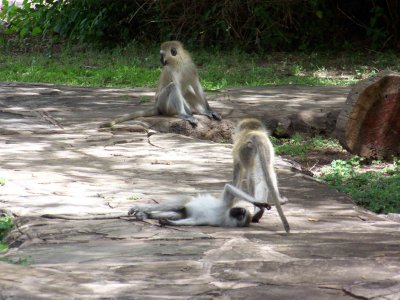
[[253, 165], [200, 210], [179, 91]]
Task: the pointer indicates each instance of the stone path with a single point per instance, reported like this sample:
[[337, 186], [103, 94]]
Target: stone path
[[55, 160]]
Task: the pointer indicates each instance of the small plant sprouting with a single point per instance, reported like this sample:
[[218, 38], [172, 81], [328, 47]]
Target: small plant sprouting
[[133, 197]]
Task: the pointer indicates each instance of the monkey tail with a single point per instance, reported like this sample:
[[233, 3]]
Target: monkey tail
[[137, 114], [264, 160]]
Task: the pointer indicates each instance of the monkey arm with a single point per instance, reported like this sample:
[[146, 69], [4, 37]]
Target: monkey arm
[[230, 192]]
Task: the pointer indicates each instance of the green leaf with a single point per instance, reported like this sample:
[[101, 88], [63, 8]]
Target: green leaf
[[23, 32], [3, 247], [36, 30]]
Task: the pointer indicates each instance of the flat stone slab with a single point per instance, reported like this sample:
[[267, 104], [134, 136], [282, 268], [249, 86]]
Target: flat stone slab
[[55, 161]]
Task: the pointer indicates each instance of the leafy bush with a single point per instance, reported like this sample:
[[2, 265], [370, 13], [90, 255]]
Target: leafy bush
[[5, 226], [251, 24]]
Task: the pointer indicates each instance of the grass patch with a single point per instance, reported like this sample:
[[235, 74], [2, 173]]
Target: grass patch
[[5, 225], [112, 69], [17, 261], [300, 146], [374, 185], [378, 191], [138, 66]]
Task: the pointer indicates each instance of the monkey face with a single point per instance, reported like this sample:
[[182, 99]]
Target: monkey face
[[241, 215], [168, 56], [171, 52]]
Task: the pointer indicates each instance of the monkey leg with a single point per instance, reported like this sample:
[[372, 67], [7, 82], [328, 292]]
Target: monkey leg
[[181, 222], [170, 215], [192, 120], [209, 113], [170, 101]]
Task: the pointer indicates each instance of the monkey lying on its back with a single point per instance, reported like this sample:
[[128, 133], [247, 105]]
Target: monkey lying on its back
[[200, 210]]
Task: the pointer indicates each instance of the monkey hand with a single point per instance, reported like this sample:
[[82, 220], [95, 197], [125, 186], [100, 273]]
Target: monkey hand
[[164, 222], [263, 205], [139, 214]]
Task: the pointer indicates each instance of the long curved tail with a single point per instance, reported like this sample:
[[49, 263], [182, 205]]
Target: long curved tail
[[137, 114], [268, 171]]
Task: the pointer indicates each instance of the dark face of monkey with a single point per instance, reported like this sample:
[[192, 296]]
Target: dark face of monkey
[[241, 215], [238, 213]]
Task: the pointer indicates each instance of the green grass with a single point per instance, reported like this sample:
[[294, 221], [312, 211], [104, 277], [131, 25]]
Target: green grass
[[138, 66], [299, 146], [378, 191], [5, 225], [373, 185], [17, 261]]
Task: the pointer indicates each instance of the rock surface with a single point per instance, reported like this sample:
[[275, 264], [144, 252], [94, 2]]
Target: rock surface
[[55, 160]]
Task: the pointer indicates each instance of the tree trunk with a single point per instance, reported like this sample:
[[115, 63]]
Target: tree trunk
[[369, 124]]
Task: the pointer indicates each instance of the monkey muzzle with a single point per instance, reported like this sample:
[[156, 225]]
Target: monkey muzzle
[[162, 59]]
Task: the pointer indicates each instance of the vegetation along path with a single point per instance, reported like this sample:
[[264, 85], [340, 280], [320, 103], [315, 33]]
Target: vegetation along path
[[54, 160]]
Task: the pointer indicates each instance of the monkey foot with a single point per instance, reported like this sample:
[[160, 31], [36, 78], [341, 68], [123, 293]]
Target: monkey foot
[[216, 116], [164, 222]]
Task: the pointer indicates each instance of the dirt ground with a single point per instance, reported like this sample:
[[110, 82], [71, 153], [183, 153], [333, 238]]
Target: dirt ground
[[55, 160]]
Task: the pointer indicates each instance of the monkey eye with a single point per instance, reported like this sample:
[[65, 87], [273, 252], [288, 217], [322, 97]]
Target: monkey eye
[[173, 51]]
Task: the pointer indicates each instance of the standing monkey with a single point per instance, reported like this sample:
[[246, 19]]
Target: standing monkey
[[253, 169], [179, 91]]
